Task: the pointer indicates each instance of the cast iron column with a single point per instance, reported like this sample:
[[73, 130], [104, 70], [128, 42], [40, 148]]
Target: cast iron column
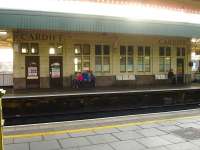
[[2, 92]]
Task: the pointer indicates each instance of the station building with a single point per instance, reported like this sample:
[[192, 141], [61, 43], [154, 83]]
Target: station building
[[48, 48]]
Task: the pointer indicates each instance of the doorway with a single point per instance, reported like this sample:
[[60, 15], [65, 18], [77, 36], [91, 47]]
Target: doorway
[[32, 64], [180, 70], [56, 71]]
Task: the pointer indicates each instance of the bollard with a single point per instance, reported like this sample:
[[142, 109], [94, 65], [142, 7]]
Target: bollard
[[2, 92]]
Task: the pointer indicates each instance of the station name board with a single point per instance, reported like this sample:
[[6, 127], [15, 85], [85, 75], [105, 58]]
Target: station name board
[[20, 36], [172, 42]]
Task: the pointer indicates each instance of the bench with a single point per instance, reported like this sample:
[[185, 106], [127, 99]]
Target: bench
[[125, 77], [82, 84], [87, 84], [161, 77]]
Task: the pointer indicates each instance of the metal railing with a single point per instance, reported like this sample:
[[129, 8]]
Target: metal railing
[[6, 79]]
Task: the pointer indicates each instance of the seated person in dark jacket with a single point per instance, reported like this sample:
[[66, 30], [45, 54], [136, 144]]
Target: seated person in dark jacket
[[171, 76], [74, 80], [92, 78]]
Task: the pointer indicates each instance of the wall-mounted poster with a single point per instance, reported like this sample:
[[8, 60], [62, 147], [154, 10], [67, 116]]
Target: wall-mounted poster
[[55, 70], [32, 73]]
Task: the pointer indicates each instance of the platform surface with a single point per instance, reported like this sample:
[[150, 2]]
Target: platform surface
[[31, 93], [177, 130]]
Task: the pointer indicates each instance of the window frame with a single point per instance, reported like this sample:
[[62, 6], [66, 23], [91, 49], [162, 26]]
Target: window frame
[[22, 46], [103, 58], [126, 55], [164, 59], [37, 48], [181, 50], [82, 57], [29, 46], [142, 57]]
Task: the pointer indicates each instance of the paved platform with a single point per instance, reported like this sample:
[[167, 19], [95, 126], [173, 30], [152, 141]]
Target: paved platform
[[177, 130], [34, 93]]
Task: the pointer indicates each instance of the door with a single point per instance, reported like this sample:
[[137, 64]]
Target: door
[[180, 70], [56, 71], [32, 64]]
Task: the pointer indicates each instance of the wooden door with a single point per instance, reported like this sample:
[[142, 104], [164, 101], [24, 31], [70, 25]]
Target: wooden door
[[32, 64], [56, 71]]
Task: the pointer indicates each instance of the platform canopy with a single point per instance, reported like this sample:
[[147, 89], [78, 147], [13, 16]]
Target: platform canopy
[[87, 16]]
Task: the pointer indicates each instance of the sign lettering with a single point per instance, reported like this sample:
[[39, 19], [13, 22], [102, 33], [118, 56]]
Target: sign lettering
[[26, 36], [172, 42]]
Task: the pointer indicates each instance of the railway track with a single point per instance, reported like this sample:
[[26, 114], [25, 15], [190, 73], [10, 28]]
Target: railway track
[[57, 117], [80, 106]]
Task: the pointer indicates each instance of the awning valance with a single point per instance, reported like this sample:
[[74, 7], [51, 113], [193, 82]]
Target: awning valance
[[19, 19]]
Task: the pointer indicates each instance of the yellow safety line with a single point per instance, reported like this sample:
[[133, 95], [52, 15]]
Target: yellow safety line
[[29, 135]]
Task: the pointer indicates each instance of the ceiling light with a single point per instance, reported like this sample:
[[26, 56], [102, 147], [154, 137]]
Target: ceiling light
[[52, 51], [60, 46]]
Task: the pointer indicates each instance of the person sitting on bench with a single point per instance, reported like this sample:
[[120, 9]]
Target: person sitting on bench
[[85, 76], [74, 80], [171, 76], [92, 78], [79, 80]]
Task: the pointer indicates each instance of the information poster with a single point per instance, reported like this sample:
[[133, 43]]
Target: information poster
[[32, 73], [55, 70]]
